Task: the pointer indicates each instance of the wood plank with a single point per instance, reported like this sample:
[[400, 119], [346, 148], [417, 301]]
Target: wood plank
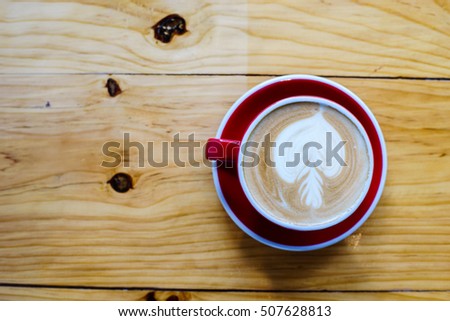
[[62, 224], [44, 294], [364, 38]]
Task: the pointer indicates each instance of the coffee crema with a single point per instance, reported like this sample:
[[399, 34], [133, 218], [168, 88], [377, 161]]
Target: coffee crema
[[316, 172]]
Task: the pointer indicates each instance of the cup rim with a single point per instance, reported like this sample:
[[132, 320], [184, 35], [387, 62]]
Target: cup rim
[[280, 104]]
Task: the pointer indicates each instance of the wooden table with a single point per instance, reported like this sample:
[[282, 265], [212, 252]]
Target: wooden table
[[66, 234]]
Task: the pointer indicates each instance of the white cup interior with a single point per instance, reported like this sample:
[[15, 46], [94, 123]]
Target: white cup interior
[[281, 104]]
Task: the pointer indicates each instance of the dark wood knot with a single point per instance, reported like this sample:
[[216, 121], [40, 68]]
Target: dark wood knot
[[113, 87], [169, 26], [121, 182]]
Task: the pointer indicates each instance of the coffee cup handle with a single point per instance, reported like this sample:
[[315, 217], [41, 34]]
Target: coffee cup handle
[[225, 150]]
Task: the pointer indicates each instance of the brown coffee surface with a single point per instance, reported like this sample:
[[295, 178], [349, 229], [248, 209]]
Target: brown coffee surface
[[302, 183]]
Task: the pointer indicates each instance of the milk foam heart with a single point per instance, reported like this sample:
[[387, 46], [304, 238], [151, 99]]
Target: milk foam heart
[[317, 169], [300, 133]]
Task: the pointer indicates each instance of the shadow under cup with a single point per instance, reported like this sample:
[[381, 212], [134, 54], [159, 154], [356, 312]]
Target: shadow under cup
[[237, 126]]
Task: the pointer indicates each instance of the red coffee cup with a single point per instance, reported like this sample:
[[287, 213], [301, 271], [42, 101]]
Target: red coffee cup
[[244, 115]]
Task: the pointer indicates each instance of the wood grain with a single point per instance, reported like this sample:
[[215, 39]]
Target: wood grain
[[62, 224], [363, 38], [44, 294]]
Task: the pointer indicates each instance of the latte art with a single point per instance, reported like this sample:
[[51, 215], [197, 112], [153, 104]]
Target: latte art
[[312, 129], [319, 164]]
